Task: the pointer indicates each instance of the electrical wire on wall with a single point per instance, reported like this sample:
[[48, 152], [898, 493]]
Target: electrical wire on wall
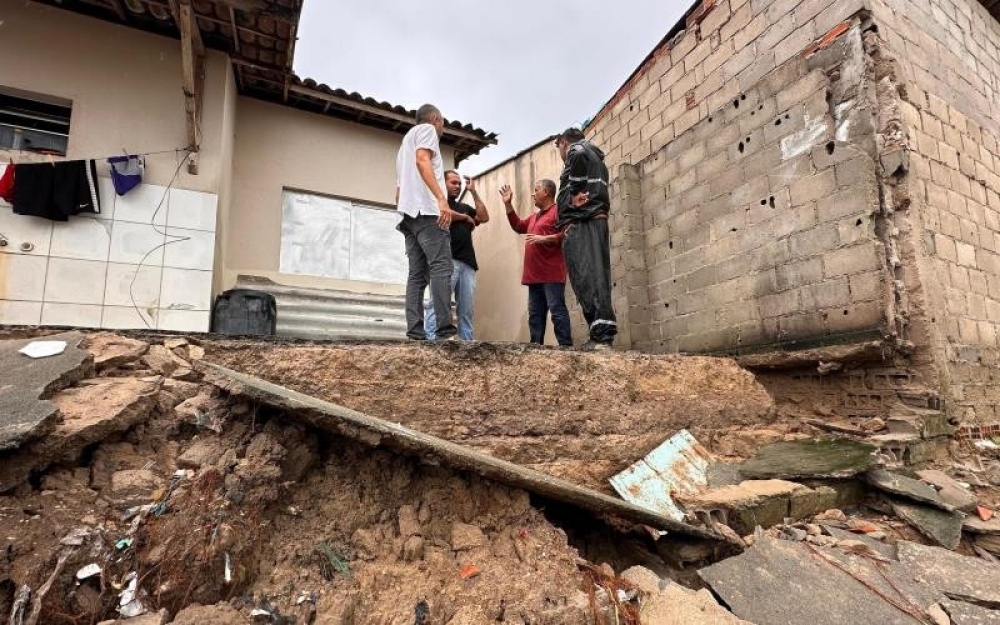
[[156, 228]]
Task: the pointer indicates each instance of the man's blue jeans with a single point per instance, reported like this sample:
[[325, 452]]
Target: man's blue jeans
[[463, 285], [544, 299]]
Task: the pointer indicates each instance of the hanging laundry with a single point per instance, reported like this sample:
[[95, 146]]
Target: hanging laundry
[[126, 172], [56, 190], [7, 183]]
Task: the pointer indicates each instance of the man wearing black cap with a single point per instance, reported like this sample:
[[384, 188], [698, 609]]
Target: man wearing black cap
[[583, 203]]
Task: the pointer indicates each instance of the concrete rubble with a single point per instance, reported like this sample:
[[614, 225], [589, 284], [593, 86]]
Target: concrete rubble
[[189, 492]]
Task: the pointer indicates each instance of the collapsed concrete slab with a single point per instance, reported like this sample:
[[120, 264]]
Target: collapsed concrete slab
[[378, 432], [953, 493], [906, 487], [87, 414], [941, 526], [763, 503], [955, 576], [25, 412], [828, 458], [779, 581], [963, 613]]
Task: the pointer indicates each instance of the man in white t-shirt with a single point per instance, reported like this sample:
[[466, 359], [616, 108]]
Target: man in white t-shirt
[[421, 198]]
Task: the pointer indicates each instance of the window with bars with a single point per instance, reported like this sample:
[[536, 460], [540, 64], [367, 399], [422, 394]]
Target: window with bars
[[33, 123]]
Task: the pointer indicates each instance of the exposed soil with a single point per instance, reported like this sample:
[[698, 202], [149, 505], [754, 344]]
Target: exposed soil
[[580, 416]]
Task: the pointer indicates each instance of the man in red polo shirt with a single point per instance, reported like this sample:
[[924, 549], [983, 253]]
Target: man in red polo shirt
[[544, 266]]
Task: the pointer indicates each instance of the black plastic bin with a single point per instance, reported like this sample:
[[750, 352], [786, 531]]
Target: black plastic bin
[[245, 312]]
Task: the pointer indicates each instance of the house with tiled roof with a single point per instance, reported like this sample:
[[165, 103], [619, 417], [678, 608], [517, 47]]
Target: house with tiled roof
[[252, 176]]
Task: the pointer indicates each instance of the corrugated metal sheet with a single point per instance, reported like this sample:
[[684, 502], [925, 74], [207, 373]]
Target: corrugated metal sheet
[[321, 314], [677, 467]]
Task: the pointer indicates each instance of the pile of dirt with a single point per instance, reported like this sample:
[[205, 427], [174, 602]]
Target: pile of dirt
[[579, 416]]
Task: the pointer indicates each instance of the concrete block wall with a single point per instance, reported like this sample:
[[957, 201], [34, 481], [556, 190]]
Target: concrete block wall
[[754, 234], [761, 219], [948, 54]]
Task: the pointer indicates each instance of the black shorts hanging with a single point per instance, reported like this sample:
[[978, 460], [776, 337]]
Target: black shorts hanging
[[56, 190]]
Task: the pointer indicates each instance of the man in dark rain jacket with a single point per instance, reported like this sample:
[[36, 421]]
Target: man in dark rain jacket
[[583, 204]]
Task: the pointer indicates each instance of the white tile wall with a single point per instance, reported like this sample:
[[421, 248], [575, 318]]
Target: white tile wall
[[22, 277], [136, 243], [126, 283], [184, 320], [128, 318], [75, 315], [71, 281], [186, 289], [21, 313], [20, 229], [79, 272], [192, 210], [84, 239], [140, 205], [189, 249]]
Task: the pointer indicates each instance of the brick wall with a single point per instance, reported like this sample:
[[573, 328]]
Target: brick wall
[[952, 120]]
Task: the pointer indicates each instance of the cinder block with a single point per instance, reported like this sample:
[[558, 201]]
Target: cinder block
[[813, 501], [779, 304], [801, 273], [866, 286], [814, 242], [802, 325], [856, 316], [813, 188], [828, 294], [849, 260], [858, 199]]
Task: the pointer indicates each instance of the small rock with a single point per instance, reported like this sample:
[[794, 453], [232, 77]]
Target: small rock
[[821, 541], [204, 451], [464, 536], [643, 579], [173, 344], [186, 374], [413, 549], [195, 352], [409, 524], [832, 515], [163, 361], [792, 533], [133, 486], [110, 350], [861, 526], [938, 615], [814, 530]]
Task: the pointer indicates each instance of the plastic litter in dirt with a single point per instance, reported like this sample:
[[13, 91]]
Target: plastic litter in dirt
[[43, 349]]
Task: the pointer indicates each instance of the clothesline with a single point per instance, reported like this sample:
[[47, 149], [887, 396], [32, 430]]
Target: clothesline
[[99, 158]]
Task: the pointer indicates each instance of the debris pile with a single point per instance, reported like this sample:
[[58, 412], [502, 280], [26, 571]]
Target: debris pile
[[162, 479]]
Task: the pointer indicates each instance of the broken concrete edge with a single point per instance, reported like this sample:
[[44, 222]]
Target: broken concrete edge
[[375, 432], [79, 364], [906, 487], [872, 351], [38, 455]]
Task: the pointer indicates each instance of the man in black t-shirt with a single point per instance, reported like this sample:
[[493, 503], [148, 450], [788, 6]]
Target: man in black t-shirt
[[463, 254]]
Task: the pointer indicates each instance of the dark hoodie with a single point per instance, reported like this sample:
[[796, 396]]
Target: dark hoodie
[[584, 171]]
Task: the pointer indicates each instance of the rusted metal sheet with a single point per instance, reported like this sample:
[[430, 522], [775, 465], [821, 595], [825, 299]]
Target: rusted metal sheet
[[677, 467]]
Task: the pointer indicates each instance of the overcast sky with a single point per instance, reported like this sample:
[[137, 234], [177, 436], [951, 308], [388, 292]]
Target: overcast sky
[[523, 69]]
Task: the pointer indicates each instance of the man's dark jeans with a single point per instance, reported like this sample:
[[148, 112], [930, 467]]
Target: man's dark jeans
[[428, 249], [548, 298]]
